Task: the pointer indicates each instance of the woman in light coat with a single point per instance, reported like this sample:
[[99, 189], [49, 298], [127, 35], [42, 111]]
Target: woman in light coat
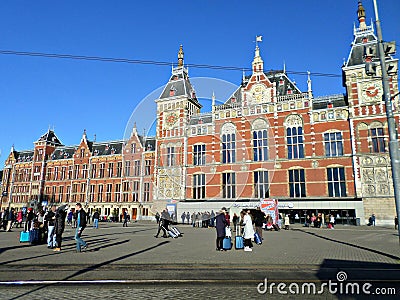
[[248, 232]]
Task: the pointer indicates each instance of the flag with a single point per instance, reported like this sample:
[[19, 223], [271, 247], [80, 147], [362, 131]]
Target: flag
[[259, 38]]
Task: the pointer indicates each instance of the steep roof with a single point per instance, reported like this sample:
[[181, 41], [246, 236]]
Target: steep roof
[[50, 138]]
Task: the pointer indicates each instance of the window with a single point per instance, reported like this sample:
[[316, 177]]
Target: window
[[377, 140], [128, 168], [333, 144], [101, 173], [336, 182], [135, 191], [91, 193], [60, 193], [53, 194], [261, 186], [133, 148], [199, 155], [228, 185], [70, 172], [228, 148], [76, 172], [146, 195], [56, 173], [118, 192], [199, 186], [119, 169], [68, 193], [84, 171], [260, 145], [108, 193], [125, 186], [93, 171], [294, 137], [136, 171], [82, 153], [74, 188], [83, 187], [100, 193], [170, 156], [147, 167], [110, 169], [48, 174], [297, 183]]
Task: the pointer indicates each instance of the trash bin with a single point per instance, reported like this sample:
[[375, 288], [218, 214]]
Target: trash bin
[[357, 221]]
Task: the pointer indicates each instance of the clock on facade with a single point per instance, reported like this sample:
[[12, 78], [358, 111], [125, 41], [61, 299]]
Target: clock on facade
[[170, 120], [371, 91], [258, 93]]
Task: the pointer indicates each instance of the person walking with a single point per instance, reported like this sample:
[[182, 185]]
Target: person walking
[[157, 217], [20, 217], [188, 217], [248, 233], [50, 218], [80, 226], [220, 225], [96, 216], [163, 224], [183, 217], [11, 219], [259, 220], [125, 219], [59, 225]]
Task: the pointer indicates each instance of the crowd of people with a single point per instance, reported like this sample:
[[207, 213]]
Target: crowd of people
[[47, 224]]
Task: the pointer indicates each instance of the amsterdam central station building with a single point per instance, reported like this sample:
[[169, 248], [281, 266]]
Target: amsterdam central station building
[[268, 140]]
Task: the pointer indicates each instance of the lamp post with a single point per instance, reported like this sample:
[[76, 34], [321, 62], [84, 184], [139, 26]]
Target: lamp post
[[393, 141]]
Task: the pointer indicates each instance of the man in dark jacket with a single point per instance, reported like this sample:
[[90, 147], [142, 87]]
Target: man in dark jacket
[[96, 217], [259, 220], [220, 224], [163, 224], [80, 226], [59, 226], [50, 218]]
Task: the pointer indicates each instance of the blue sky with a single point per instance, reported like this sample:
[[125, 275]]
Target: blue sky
[[73, 95]]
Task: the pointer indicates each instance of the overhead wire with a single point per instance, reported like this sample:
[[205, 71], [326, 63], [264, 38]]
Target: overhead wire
[[148, 62]]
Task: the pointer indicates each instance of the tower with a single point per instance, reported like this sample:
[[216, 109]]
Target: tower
[[367, 117], [176, 104]]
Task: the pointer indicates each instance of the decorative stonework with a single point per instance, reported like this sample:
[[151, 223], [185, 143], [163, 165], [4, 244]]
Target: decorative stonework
[[375, 176]]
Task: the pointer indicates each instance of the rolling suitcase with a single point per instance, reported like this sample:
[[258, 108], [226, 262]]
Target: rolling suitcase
[[34, 236], [24, 237], [239, 242], [176, 231], [227, 243], [257, 239], [172, 234]]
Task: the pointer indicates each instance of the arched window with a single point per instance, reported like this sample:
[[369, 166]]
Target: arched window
[[294, 137], [228, 143], [260, 140]]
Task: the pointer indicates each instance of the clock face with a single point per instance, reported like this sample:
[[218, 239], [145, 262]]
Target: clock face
[[170, 120], [258, 93], [371, 91]]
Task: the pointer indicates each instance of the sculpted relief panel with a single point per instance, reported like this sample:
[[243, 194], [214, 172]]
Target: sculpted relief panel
[[375, 176]]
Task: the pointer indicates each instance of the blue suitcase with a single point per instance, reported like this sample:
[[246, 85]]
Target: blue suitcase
[[34, 236], [257, 239], [239, 242], [227, 243], [24, 237]]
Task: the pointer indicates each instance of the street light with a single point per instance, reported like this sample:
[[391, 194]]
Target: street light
[[393, 142]]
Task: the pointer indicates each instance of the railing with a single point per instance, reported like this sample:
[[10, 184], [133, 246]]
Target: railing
[[291, 97]]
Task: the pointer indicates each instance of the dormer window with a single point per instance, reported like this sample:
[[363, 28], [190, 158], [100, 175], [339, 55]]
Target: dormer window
[[82, 153], [149, 147], [330, 105], [96, 152], [289, 91], [281, 82], [172, 91], [112, 150]]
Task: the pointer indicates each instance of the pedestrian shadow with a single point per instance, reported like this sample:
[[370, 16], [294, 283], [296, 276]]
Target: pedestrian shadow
[[349, 244], [66, 249], [95, 267]]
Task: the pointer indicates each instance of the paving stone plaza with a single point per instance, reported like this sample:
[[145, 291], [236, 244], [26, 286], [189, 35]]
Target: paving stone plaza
[[130, 261]]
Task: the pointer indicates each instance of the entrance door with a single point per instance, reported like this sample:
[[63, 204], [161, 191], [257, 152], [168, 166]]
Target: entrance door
[[134, 213]]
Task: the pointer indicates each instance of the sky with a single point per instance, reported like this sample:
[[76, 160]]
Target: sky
[[38, 93]]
